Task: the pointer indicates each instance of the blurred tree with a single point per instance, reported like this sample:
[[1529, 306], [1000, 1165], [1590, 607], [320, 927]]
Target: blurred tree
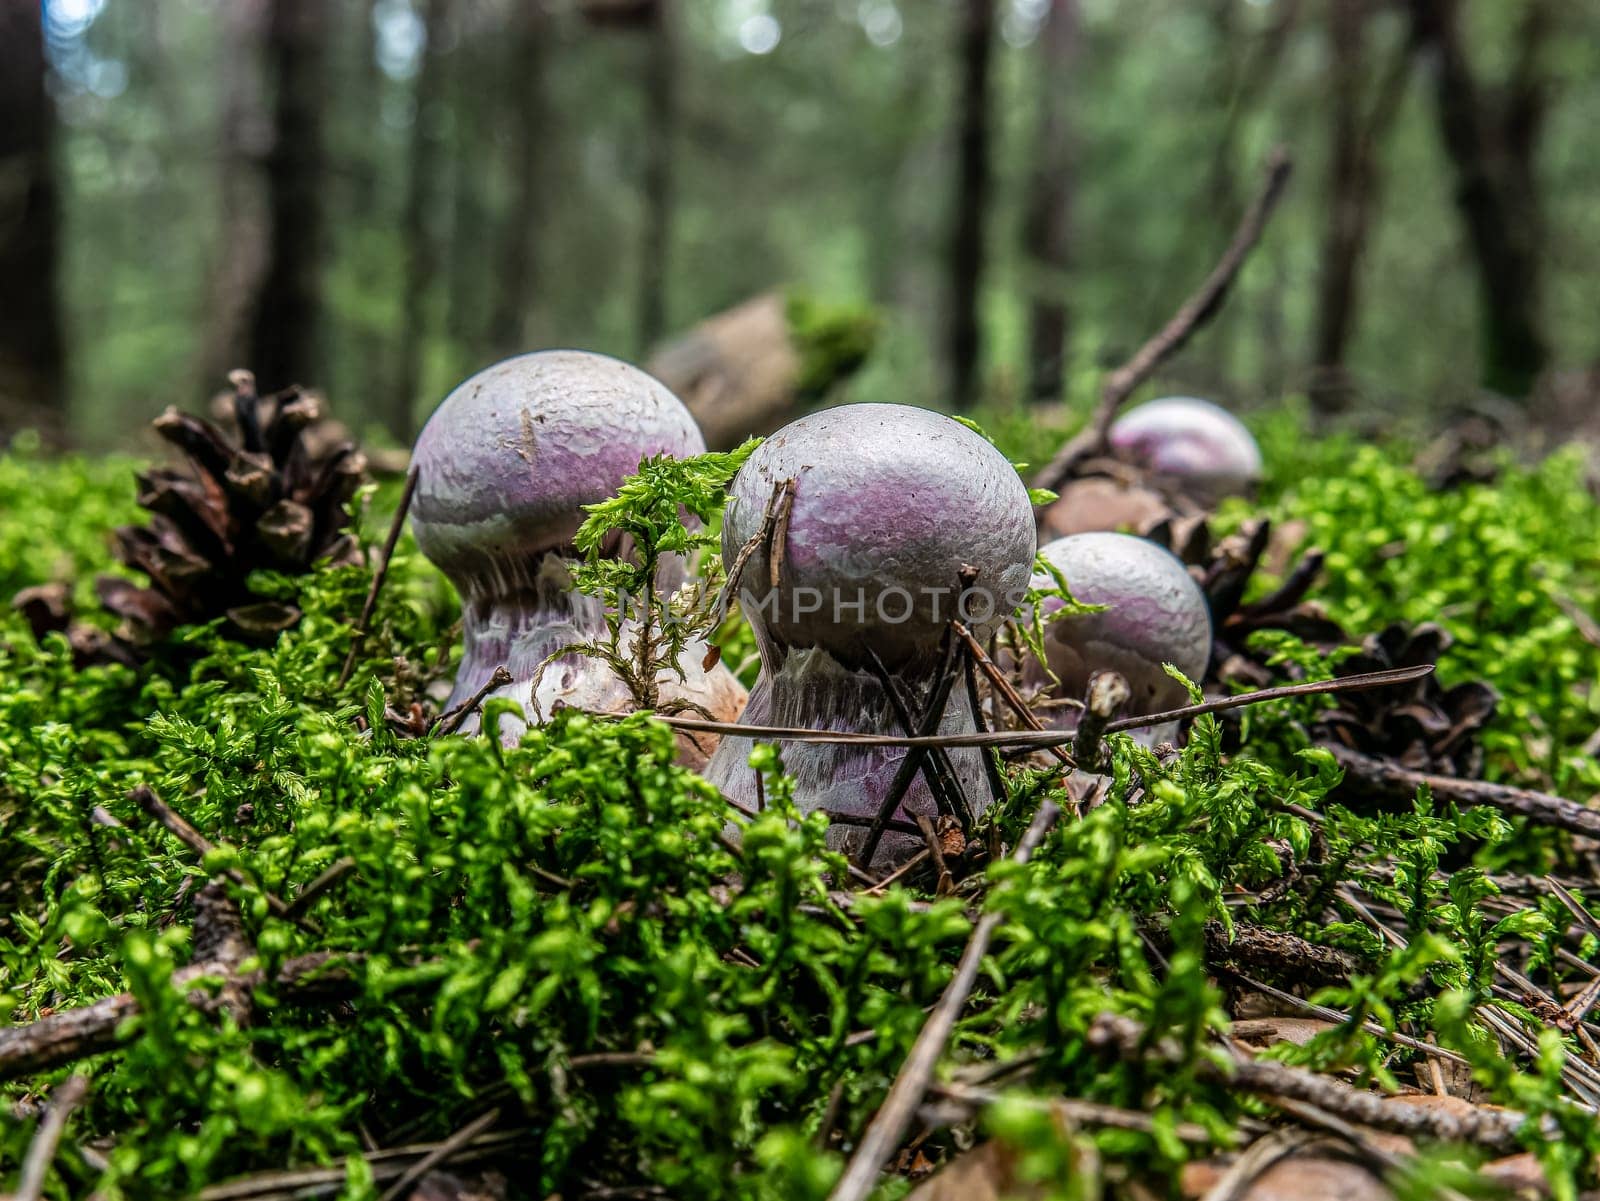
[[528, 127], [1047, 225], [661, 100], [419, 225], [284, 332], [239, 267], [32, 389], [1357, 134], [1491, 136], [975, 43]]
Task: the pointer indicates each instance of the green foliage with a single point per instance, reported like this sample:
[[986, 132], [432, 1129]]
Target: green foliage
[[560, 931], [1501, 566], [669, 510], [834, 339]]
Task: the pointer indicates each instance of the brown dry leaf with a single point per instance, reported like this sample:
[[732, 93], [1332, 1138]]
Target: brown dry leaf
[[984, 1173], [1264, 1032], [1317, 1175]]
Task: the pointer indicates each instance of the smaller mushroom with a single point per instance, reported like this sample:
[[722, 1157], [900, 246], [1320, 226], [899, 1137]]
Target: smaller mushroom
[[1202, 448], [1155, 614], [504, 468]]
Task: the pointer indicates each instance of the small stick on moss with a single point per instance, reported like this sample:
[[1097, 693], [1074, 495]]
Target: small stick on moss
[[1194, 314], [359, 632], [145, 797], [449, 723], [1107, 692], [70, 1034], [888, 1126], [307, 896], [440, 1154], [42, 1150]]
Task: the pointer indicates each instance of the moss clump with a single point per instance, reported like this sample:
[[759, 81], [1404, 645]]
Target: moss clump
[[559, 932]]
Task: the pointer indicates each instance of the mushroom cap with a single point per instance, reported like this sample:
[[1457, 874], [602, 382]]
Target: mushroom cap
[[890, 502], [1190, 439], [1157, 615], [508, 460]]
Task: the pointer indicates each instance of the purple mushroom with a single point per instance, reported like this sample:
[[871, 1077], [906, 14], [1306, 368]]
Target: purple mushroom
[[1203, 448], [1156, 614], [890, 504], [504, 467]]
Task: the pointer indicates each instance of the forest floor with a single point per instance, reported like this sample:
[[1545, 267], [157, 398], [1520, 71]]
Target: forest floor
[[269, 931]]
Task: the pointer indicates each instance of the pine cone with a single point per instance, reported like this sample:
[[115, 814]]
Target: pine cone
[[256, 500], [1422, 726], [1224, 570]]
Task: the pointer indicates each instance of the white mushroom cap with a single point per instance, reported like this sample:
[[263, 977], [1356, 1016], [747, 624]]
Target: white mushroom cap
[[1190, 440], [890, 503], [1157, 615], [508, 460]]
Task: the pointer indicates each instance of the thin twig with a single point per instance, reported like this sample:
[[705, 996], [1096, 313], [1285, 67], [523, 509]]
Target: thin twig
[[359, 632], [448, 723], [307, 896], [930, 836], [888, 1126], [1194, 314], [1003, 688], [42, 1150], [937, 768], [439, 1154], [932, 718], [1046, 738], [145, 797]]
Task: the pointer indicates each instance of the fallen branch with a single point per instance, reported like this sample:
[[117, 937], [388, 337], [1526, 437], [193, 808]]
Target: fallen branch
[[1194, 314], [1402, 783], [888, 1126], [73, 1034], [1495, 1129]]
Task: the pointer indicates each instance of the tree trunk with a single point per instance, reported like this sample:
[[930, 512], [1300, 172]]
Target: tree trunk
[[1352, 192], [419, 225], [238, 271], [660, 97], [519, 259], [1491, 148], [284, 335], [1047, 228], [32, 378], [966, 261]]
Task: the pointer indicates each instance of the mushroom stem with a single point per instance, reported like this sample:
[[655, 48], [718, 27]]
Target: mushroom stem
[[523, 625], [811, 688]]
